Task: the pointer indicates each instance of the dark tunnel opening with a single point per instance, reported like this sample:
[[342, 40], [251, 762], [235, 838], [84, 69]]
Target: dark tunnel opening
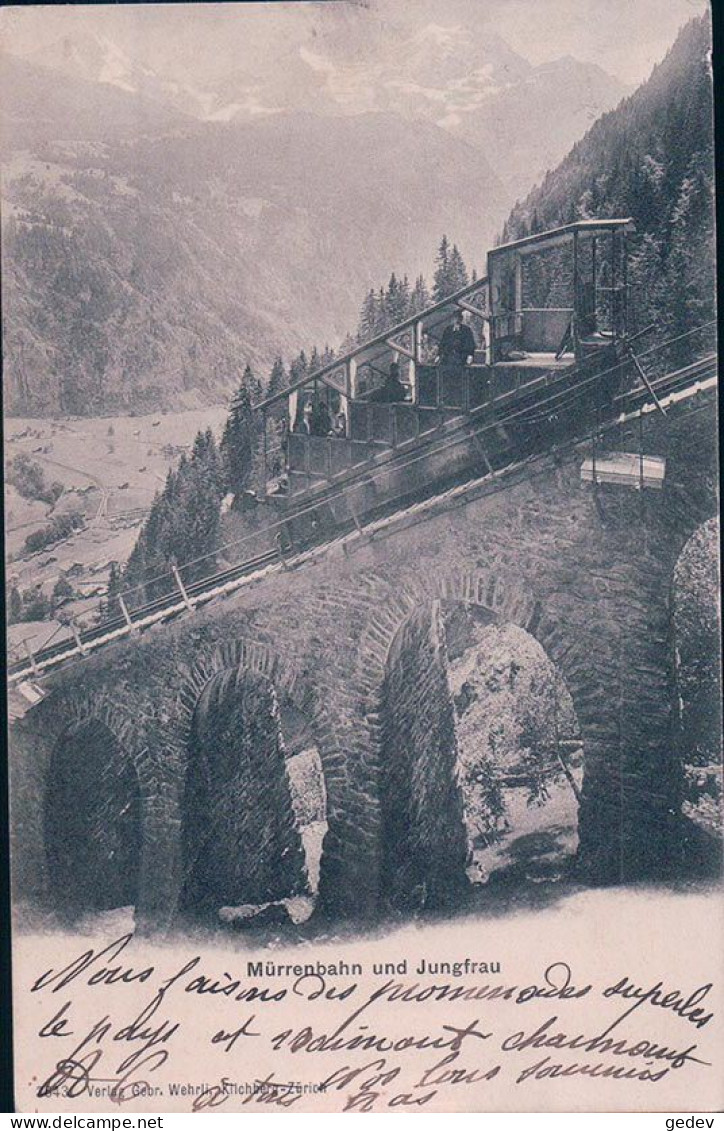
[[241, 843], [92, 822]]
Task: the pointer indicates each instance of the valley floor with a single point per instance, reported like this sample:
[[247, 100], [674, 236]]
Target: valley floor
[[110, 469]]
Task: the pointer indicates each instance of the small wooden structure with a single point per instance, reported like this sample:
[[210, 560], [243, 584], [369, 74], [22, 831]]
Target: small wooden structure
[[625, 469]]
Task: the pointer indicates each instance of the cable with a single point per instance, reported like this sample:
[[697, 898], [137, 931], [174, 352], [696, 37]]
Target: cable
[[566, 396], [312, 507], [574, 394], [494, 487]]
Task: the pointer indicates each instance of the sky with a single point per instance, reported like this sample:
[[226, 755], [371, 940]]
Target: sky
[[198, 41], [625, 37]]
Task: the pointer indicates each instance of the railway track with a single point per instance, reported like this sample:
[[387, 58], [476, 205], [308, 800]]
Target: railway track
[[664, 392]]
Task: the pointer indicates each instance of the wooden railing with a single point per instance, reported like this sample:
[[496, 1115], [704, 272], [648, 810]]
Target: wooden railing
[[443, 393]]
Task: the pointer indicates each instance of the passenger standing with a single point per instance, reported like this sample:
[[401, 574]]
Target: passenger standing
[[457, 347]]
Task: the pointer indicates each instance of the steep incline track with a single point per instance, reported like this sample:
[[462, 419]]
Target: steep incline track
[[670, 389]]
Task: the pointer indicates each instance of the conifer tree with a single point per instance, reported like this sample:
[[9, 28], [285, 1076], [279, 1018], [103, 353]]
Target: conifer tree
[[367, 325], [382, 321], [298, 368], [420, 298], [396, 301], [278, 380], [253, 384], [457, 271], [239, 441], [405, 297], [347, 344], [440, 288]]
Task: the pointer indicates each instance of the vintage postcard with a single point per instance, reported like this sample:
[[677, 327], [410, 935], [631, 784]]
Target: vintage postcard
[[362, 556]]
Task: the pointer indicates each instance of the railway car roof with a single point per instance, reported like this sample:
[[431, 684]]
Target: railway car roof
[[556, 236]]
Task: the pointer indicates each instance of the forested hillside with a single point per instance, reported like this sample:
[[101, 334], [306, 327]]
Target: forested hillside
[[652, 159]]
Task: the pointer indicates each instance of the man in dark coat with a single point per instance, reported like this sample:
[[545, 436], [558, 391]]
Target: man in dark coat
[[457, 346]]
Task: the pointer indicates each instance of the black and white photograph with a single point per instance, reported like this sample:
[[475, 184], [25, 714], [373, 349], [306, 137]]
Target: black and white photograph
[[362, 555]]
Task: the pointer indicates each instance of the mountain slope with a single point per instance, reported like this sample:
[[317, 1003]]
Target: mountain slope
[[146, 272], [468, 81], [652, 159], [40, 105], [531, 125]]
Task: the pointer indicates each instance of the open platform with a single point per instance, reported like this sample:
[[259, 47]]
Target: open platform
[[537, 361]]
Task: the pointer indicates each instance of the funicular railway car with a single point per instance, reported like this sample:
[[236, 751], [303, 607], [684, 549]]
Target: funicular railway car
[[548, 356], [547, 330]]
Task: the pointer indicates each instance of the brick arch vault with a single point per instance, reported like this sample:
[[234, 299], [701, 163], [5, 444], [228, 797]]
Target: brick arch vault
[[62, 717], [355, 874], [264, 824]]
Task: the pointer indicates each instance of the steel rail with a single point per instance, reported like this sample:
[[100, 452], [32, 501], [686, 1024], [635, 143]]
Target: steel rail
[[168, 605]]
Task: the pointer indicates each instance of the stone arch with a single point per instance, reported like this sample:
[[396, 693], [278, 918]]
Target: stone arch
[[249, 655], [105, 828], [506, 602], [586, 677], [251, 810], [92, 822]]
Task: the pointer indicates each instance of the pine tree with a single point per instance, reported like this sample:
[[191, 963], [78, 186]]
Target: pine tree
[[405, 297], [440, 286], [198, 451], [458, 272], [278, 380], [396, 301], [382, 317], [420, 298], [298, 368], [199, 536], [253, 384], [206, 453], [239, 441], [367, 325], [347, 344]]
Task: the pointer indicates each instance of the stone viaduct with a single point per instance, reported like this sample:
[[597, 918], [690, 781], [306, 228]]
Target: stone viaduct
[[153, 734]]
